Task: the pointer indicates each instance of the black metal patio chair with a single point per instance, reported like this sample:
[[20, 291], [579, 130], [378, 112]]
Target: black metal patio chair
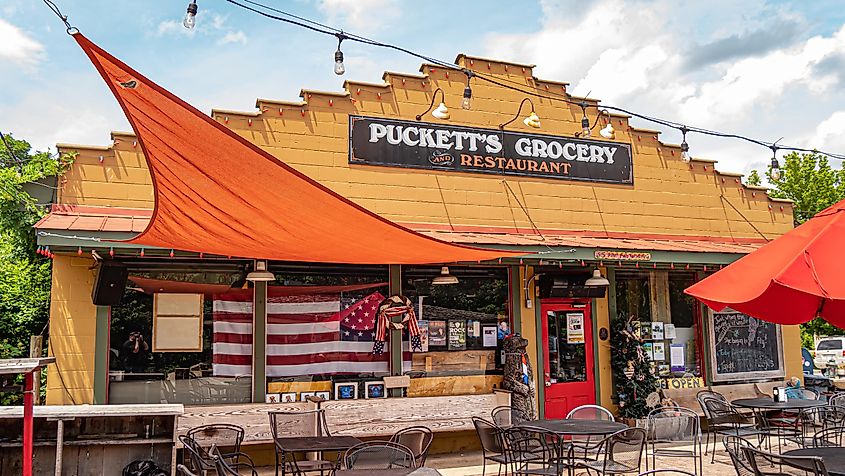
[[492, 444], [670, 426], [666, 472], [416, 438], [535, 451], [725, 420], [772, 464], [379, 455], [292, 424], [832, 436], [734, 447], [506, 416], [225, 467], [619, 453]]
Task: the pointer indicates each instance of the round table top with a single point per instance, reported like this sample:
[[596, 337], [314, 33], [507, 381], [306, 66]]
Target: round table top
[[576, 427], [833, 457], [769, 403]]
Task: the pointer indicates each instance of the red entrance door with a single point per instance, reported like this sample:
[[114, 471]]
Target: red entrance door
[[567, 355]]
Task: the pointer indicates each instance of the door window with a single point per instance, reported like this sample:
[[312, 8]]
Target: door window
[[567, 352]]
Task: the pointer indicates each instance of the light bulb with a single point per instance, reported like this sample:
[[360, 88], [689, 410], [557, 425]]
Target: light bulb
[[585, 127], [607, 132], [466, 103], [532, 120], [339, 69], [775, 171], [441, 112], [191, 17], [685, 155]]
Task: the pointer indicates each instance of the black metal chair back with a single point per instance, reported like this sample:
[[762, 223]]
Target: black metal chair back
[[416, 438], [623, 451], [219, 434], [298, 423], [533, 451], [675, 425], [831, 436], [379, 455], [771, 464], [505, 416], [704, 394], [196, 457], [837, 400], [226, 468], [489, 435], [734, 446]]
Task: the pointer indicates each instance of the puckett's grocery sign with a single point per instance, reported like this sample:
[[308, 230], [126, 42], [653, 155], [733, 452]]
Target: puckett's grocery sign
[[422, 145]]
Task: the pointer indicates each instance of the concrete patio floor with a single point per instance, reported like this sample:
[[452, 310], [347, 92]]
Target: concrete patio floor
[[469, 464]]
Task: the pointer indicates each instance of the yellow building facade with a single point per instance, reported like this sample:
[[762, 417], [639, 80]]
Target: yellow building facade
[[673, 217]]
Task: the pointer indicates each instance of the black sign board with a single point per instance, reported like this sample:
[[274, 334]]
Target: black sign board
[[423, 145], [744, 347]]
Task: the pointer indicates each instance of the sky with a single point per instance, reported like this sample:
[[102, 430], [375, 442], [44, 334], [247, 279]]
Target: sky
[[761, 68]]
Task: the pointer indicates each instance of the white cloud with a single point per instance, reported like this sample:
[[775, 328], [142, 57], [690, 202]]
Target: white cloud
[[712, 65], [17, 47], [828, 134], [360, 16], [233, 37]]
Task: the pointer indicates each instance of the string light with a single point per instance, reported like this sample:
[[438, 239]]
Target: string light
[[466, 103], [190, 20], [685, 155], [585, 121], [339, 68], [775, 172]]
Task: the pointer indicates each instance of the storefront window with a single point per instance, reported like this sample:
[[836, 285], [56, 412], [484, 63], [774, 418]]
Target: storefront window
[[464, 321], [164, 340], [321, 331], [665, 318]]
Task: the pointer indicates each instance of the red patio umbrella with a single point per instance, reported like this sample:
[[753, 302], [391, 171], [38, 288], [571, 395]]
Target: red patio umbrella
[[790, 280]]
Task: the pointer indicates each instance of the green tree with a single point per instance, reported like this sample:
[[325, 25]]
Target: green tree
[[753, 178], [24, 276], [810, 182], [813, 185]]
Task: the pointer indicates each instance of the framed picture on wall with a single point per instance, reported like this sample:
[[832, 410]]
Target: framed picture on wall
[[288, 397], [437, 333], [325, 395], [374, 389], [303, 396], [272, 398], [346, 391]]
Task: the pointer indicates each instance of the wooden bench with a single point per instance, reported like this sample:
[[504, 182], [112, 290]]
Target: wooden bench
[[360, 418]]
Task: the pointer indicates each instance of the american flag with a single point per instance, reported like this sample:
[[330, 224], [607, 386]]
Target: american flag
[[316, 334]]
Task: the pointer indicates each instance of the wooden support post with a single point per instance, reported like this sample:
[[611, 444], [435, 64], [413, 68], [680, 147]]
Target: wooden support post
[[36, 348], [395, 337], [259, 343], [27, 424], [102, 354], [60, 443]]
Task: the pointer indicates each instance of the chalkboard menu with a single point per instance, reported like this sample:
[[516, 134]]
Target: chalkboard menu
[[743, 347]]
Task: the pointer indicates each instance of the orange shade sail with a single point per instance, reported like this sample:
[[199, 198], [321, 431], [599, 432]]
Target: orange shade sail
[[216, 192], [790, 280]]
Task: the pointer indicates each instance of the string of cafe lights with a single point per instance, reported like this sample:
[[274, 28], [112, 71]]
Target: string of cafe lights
[[466, 100]]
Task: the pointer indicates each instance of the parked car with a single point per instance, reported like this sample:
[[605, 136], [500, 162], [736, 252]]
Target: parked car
[[818, 383], [830, 352]]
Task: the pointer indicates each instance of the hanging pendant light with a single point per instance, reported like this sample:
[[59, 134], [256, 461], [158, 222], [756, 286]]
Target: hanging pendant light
[[445, 277], [260, 273], [597, 279], [441, 112]]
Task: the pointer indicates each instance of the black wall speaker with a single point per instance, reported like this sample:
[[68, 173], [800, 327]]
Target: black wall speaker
[[110, 284]]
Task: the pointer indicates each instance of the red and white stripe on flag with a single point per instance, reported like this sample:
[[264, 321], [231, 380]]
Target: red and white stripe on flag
[[304, 336]]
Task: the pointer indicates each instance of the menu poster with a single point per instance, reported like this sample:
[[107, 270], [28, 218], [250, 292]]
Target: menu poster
[[423, 326], [574, 328], [669, 331], [659, 351], [657, 330], [647, 348], [489, 336], [677, 357], [457, 335], [437, 333]]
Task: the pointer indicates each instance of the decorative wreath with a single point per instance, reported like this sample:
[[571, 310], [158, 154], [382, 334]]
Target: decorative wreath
[[396, 305]]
